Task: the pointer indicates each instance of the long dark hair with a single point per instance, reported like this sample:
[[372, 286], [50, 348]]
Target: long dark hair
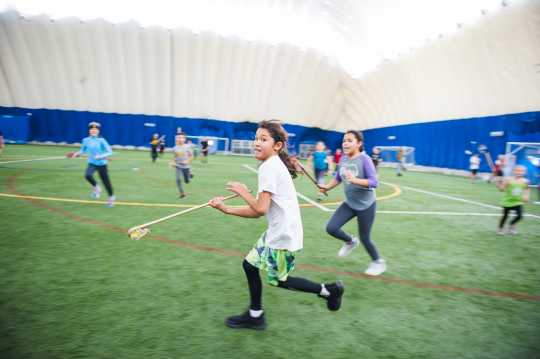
[[279, 134], [359, 137]]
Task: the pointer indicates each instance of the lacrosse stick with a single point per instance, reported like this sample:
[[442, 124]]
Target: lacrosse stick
[[484, 150], [309, 176], [140, 231]]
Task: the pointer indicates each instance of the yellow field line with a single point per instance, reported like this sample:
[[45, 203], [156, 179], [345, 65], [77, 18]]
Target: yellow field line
[[397, 192]]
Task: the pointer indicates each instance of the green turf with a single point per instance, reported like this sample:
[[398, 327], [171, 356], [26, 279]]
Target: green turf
[[74, 286]]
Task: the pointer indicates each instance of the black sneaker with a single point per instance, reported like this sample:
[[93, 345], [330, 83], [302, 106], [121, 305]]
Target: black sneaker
[[333, 301], [245, 320]]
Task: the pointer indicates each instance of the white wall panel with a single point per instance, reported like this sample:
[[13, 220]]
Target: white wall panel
[[486, 69]]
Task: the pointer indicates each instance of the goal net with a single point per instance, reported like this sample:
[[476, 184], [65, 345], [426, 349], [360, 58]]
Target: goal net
[[526, 154], [242, 147], [215, 144], [390, 154]]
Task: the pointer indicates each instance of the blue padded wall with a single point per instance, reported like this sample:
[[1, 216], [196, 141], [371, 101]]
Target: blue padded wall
[[443, 143]]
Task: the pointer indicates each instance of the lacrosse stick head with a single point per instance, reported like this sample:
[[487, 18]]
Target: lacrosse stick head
[[137, 233]]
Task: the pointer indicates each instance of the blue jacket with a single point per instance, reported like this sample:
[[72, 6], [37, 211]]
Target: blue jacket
[[96, 147]]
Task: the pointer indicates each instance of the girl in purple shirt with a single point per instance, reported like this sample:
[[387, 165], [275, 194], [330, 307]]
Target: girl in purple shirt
[[357, 172]]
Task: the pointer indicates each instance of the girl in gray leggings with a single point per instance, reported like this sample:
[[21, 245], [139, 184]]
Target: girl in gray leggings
[[358, 174]]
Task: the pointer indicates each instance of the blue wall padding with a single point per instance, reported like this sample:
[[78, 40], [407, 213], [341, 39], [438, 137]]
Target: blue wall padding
[[443, 143], [122, 129], [439, 144], [15, 128]]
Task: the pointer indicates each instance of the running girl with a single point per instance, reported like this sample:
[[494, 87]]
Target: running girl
[[182, 159], [98, 150], [357, 172], [516, 192], [276, 249]]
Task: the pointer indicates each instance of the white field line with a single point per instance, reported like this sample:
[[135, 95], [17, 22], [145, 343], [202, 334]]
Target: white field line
[[36, 159], [458, 199], [310, 201]]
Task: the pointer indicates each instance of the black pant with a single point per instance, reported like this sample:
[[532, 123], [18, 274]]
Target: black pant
[[365, 219], [292, 283], [103, 174], [506, 211]]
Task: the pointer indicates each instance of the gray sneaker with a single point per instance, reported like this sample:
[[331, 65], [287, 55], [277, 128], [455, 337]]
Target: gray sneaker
[[348, 247]]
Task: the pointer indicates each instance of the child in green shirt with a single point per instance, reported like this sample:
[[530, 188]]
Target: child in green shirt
[[516, 192]]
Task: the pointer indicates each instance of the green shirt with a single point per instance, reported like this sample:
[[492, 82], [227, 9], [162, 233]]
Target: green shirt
[[513, 195]]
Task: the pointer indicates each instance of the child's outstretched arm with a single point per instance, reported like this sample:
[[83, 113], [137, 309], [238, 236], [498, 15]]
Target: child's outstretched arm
[[259, 204], [246, 212]]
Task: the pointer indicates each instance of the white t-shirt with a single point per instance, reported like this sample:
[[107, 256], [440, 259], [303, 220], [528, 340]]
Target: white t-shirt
[[474, 162], [284, 220]]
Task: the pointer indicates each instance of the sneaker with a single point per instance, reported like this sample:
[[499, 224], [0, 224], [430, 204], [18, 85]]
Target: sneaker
[[500, 232], [348, 247], [97, 192], [377, 267], [245, 320], [333, 301], [512, 230], [110, 201], [182, 195]]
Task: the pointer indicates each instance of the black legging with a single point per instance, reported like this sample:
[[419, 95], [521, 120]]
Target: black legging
[[365, 219], [506, 211], [103, 174], [292, 283]]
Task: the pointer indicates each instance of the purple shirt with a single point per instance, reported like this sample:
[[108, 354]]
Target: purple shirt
[[358, 197]]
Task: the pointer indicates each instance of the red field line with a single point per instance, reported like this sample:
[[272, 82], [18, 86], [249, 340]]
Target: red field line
[[310, 267]]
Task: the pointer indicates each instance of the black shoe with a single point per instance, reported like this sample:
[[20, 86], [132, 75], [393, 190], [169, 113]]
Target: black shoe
[[333, 301], [245, 320], [182, 195]]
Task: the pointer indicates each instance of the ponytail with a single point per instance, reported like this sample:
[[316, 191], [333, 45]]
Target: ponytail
[[279, 134]]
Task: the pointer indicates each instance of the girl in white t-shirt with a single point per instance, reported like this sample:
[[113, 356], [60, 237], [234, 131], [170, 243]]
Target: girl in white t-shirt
[[275, 250]]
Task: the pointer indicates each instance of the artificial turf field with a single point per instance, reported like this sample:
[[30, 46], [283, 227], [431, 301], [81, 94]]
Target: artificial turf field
[[72, 285]]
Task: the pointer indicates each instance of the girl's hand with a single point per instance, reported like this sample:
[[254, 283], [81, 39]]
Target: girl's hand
[[217, 203], [348, 176], [238, 188], [323, 188]]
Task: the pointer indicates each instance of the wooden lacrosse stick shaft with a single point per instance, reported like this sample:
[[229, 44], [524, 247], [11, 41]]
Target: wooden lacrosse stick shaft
[[309, 176], [159, 220]]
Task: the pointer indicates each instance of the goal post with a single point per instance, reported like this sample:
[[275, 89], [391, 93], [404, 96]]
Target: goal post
[[390, 154]]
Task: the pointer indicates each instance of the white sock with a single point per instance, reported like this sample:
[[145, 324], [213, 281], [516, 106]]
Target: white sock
[[255, 313], [324, 291]]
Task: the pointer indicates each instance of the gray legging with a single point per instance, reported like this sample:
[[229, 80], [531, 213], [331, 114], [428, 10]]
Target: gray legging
[[182, 172], [365, 220]]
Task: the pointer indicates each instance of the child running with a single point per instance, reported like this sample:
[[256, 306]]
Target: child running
[[182, 159], [154, 143], [516, 192], [357, 172], [98, 150], [319, 161], [276, 249]]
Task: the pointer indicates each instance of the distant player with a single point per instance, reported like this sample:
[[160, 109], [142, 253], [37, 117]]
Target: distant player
[[400, 161], [183, 156], [357, 173], [154, 144], [204, 149], [320, 162], [376, 157], [276, 249], [161, 145], [98, 151], [516, 192], [474, 165], [1, 142]]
